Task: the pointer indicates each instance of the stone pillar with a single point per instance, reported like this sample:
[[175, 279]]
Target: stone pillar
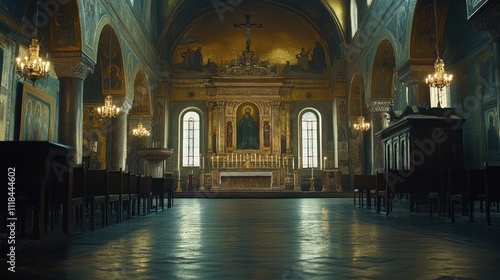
[[117, 144], [72, 71], [377, 110]]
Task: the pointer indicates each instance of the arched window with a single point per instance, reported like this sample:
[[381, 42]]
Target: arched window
[[354, 17], [191, 139], [309, 139]]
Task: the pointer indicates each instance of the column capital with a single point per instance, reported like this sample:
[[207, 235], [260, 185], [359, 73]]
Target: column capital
[[124, 102], [73, 66], [379, 105]]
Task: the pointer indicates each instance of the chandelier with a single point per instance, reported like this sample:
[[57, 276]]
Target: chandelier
[[108, 110], [361, 124], [439, 78], [140, 131], [32, 67]]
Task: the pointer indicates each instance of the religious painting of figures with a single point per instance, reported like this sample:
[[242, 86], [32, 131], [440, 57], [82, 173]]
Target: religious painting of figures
[[37, 115], [491, 129], [247, 129]]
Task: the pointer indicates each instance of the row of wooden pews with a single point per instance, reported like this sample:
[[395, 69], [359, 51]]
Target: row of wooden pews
[[443, 189], [115, 195]]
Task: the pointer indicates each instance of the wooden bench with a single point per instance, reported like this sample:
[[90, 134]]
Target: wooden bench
[[127, 194], [414, 183], [491, 190], [78, 201], [362, 185], [115, 193], [97, 192]]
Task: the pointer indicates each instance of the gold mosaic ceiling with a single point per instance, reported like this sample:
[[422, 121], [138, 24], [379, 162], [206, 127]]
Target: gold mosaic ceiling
[[280, 39]]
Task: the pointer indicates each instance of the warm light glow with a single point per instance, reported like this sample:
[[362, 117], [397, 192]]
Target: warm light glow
[[108, 110], [32, 67], [361, 125], [141, 131], [439, 79]]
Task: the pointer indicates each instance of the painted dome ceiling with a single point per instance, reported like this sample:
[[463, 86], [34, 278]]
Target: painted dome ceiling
[[287, 28]]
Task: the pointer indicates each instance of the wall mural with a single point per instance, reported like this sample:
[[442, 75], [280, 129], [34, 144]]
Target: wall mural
[[296, 46]]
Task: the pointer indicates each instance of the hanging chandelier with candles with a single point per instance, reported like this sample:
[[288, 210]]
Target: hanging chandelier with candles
[[33, 67], [361, 124], [140, 131], [439, 79], [108, 110]]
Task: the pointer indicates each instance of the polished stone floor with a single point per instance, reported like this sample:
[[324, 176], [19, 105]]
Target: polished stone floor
[[299, 238]]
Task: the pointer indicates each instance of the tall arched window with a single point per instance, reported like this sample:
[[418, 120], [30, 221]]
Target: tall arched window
[[191, 139], [354, 17], [309, 139]]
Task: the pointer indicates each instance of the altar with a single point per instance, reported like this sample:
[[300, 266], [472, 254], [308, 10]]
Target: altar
[[246, 180]]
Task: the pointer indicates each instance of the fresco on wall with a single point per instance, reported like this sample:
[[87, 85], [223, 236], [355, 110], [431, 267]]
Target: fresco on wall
[[491, 129]]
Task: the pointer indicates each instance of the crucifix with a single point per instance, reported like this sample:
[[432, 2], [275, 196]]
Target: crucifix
[[248, 26]]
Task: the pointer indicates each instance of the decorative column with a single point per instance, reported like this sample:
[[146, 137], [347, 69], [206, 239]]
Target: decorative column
[[118, 132], [377, 110], [212, 124], [287, 107], [221, 110], [72, 71], [275, 126]]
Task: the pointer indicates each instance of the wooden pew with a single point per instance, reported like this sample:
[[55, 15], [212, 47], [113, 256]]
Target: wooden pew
[[38, 174], [97, 192], [115, 193], [362, 185], [158, 192], [380, 192], [475, 190], [78, 201], [458, 191], [415, 183], [134, 195], [126, 194], [491, 189]]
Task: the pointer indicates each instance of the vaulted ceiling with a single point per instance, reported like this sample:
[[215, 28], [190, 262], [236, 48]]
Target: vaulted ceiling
[[287, 26]]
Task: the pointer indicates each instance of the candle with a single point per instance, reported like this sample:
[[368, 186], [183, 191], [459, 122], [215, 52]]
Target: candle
[[312, 171], [202, 162], [293, 163], [260, 161], [298, 163], [232, 158], [324, 163], [212, 161]]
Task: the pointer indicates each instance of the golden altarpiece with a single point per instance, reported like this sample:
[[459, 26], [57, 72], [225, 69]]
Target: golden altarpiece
[[249, 129]]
